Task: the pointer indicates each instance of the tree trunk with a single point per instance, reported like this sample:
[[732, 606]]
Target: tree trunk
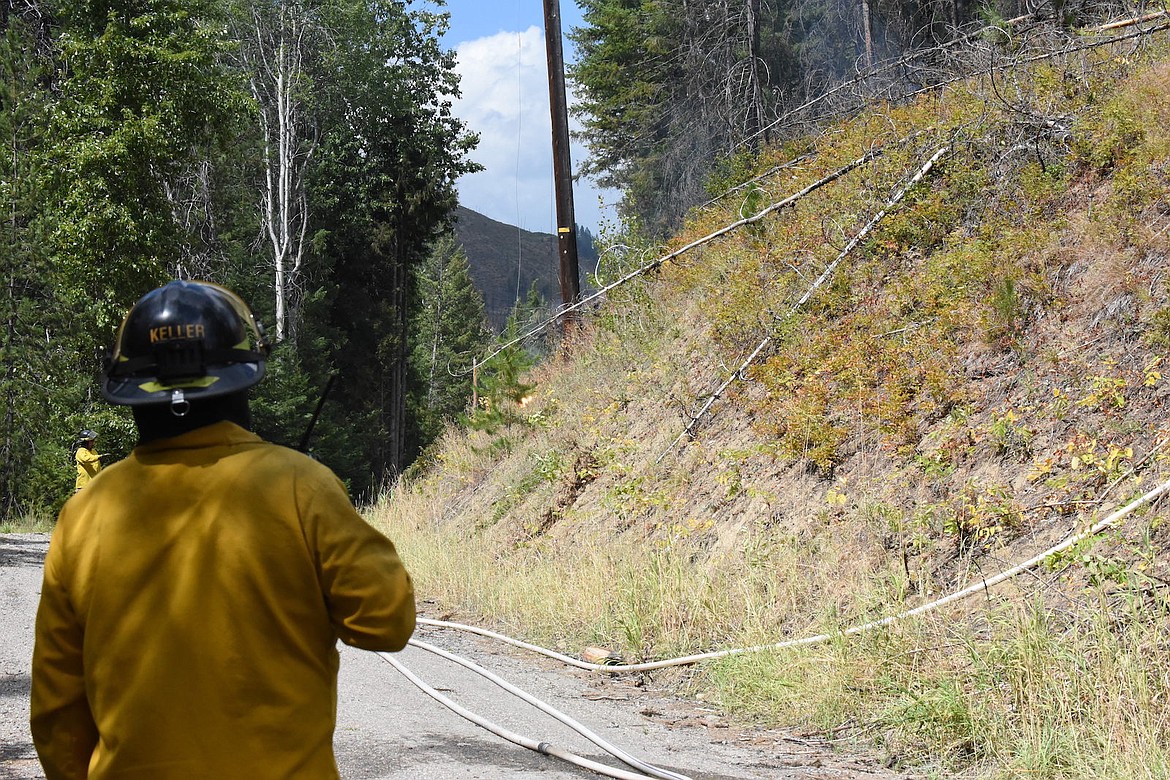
[[275, 59], [755, 117], [867, 32], [399, 358]]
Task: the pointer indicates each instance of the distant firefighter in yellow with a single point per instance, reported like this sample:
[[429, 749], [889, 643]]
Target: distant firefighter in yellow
[[89, 462]]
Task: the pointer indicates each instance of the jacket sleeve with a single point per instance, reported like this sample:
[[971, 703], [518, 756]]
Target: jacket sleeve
[[63, 728], [368, 590]]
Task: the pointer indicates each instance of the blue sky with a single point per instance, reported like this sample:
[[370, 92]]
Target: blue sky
[[472, 19], [502, 63]]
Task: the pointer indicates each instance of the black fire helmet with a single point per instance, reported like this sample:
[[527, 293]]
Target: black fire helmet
[[184, 341]]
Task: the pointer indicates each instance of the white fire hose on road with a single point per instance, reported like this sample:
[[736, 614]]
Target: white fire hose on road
[[647, 770]]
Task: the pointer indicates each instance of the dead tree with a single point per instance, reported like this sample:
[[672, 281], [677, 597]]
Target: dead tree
[[275, 49]]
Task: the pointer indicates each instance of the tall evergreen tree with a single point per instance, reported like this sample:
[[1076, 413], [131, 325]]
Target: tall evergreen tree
[[448, 331], [390, 153], [666, 87], [32, 448]]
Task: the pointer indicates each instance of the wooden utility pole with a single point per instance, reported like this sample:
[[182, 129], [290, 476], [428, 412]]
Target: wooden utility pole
[[562, 165]]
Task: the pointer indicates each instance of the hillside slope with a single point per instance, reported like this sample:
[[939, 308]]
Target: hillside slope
[[951, 373]]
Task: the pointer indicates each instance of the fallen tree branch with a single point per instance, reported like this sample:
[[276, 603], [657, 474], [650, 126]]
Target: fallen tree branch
[[1130, 22], [688, 431]]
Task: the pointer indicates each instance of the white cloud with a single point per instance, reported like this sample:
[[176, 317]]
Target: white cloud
[[504, 81]]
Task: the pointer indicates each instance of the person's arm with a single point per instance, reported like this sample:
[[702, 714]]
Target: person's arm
[[370, 595], [63, 729]]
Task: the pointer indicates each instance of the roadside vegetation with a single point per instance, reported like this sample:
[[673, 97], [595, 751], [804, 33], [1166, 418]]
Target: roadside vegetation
[[34, 522], [977, 379]]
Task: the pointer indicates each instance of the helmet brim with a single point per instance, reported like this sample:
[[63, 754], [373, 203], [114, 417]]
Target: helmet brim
[[146, 390]]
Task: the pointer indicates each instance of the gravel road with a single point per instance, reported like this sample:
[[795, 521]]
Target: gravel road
[[388, 728]]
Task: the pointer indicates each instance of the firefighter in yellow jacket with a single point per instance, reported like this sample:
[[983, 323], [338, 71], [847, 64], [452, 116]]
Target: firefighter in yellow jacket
[[88, 461], [194, 595]]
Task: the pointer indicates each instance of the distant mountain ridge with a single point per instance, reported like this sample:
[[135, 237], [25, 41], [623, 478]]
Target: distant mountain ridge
[[506, 261]]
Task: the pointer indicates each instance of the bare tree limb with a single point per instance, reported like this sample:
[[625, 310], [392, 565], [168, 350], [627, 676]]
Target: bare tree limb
[[688, 431]]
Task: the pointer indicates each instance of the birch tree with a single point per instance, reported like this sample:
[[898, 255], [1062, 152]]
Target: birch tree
[[277, 40]]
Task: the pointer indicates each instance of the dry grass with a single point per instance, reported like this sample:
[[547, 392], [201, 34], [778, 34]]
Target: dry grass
[[37, 522], [1000, 688]]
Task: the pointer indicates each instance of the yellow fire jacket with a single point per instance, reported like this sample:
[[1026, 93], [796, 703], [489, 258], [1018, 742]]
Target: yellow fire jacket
[[192, 602], [89, 463]]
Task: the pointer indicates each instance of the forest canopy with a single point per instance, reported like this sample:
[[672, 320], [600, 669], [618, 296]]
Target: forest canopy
[[676, 94], [303, 154]]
